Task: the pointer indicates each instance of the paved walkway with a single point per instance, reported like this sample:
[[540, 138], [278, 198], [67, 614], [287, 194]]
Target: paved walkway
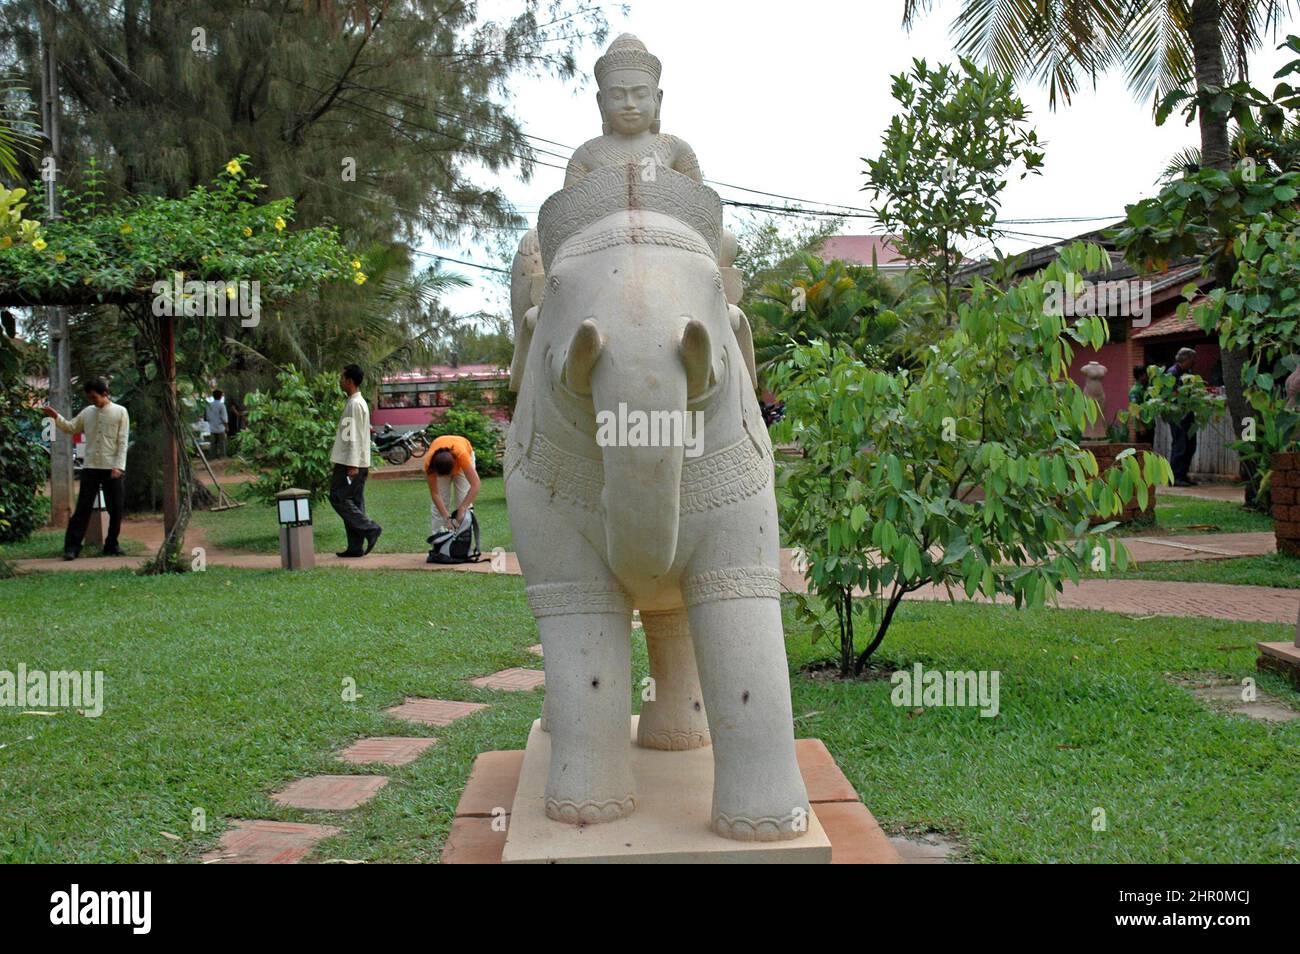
[[1233, 493]]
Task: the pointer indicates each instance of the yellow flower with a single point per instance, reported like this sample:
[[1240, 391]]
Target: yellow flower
[[233, 167], [248, 233], [6, 241], [279, 224], [60, 258], [85, 281], [359, 278], [230, 291], [126, 228], [356, 264], [39, 245]]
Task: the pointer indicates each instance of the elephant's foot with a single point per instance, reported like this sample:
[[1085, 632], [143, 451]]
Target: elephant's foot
[[589, 811], [758, 791], [586, 710], [673, 717]]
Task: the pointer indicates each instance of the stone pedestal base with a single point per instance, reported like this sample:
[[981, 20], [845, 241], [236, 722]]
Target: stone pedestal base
[[297, 548], [1282, 658], [497, 798]]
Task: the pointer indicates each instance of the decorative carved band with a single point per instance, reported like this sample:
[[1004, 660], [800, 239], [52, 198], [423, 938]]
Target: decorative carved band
[[665, 624], [635, 235], [622, 188], [571, 477], [763, 828], [729, 476], [567, 599], [733, 583]]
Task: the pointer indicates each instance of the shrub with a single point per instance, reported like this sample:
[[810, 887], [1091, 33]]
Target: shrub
[[24, 461], [290, 434]]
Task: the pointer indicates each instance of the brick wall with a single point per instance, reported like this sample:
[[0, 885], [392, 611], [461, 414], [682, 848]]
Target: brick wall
[[1106, 454], [1285, 492]]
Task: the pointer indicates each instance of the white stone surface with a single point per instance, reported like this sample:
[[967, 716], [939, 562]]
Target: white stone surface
[[670, 826], [635, 317]]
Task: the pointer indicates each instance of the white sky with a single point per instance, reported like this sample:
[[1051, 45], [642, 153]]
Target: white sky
[[788, 98]]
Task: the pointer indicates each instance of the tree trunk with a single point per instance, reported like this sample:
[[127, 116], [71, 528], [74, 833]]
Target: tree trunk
[[1216, 153], [1207, 54]]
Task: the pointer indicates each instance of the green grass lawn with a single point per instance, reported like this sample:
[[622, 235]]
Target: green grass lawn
[[1189, 515], [224, 686], [1273, 569], [401, 507], [49, 543]]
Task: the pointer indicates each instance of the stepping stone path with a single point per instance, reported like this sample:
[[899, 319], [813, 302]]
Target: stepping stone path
[[267, 843], [385, 750], [332, 793], [931, 848], [512, 680], [1228, 694], [435, 712]]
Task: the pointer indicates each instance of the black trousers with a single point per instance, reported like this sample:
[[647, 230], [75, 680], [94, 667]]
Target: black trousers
[[1182, 446], [349, 502], [92, 481]]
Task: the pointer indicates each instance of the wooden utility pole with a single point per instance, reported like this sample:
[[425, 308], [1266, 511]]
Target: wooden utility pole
[[56, 318]]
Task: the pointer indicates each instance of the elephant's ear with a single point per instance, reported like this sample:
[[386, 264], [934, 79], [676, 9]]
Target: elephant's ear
[[523, 339], [744, 338]]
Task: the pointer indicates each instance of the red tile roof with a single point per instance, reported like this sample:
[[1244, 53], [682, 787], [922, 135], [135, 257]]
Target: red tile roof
[[860, 248]]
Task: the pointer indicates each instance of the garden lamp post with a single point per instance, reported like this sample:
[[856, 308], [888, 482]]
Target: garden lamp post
[[297, 548], [97, 529]]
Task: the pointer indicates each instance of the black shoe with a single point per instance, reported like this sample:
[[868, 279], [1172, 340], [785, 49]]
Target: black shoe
[[71, 554], [372, 538], [349, 554], [1183, 482], [1193, 483], [115, 551]]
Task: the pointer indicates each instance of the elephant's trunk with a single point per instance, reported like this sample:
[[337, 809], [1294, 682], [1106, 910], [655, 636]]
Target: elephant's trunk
[[642, 502]]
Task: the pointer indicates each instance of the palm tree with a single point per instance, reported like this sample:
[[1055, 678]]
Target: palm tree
[[1158, 43]]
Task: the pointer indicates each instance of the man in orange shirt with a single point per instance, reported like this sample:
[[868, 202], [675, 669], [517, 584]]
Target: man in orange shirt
[[448, 464]]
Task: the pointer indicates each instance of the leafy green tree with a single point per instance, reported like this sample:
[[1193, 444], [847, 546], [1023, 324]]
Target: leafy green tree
[[290, 434], [170, 264], [943, 164], [962, 474], [24, 462], [1169, 398], [849, 306], [1231, 221]]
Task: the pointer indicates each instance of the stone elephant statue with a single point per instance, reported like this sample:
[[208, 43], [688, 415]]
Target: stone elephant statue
[[670, 511]]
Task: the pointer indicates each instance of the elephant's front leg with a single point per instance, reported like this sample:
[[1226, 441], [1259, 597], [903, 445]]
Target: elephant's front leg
[[588, 659], [673, 717], [758, 792]]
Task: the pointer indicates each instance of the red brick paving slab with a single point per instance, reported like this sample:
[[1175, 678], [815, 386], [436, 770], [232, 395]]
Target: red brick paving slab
[[267, 843], [512, 680], [825, 781], [436, 712], [473, 842], [492, 783], [855, 837], [385, 749], [333, 793]]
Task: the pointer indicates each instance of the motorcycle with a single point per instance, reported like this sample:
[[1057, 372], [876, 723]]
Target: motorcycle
[[392, 446]]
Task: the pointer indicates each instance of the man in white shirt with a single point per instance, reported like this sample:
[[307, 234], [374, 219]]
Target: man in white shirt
[[217, 420], [107, 427], [351, 460]]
